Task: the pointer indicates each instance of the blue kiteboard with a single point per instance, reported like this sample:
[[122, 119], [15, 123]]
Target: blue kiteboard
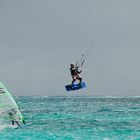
[[75, 86]]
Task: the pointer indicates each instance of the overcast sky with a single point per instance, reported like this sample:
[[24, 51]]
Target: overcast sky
[[40, 38]]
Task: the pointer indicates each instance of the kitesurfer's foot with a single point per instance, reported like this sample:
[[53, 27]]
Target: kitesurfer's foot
[[79, 85], [72, 86]]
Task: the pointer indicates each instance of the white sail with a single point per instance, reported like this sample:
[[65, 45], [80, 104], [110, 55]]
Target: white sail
[[8, 107]]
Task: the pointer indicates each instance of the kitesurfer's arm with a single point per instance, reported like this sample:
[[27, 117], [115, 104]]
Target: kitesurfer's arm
[[79, 72]]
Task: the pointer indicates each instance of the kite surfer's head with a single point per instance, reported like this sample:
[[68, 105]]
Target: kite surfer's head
[[72, 65]]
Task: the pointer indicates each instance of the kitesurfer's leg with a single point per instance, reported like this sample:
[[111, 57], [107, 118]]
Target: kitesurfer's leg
[[74, 79], [80, 79]]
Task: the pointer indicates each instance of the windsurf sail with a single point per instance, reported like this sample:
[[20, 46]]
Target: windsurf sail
[[8, 107]]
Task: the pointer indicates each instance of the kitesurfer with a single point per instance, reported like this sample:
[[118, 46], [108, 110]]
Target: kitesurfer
[[75, 74]]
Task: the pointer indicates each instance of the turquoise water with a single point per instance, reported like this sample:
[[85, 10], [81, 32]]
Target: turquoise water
[[76, 118]]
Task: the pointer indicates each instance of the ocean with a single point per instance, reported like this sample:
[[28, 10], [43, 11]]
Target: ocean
[[76, 118]]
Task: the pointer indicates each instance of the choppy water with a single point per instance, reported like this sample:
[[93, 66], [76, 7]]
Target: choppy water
[[78, 118]]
